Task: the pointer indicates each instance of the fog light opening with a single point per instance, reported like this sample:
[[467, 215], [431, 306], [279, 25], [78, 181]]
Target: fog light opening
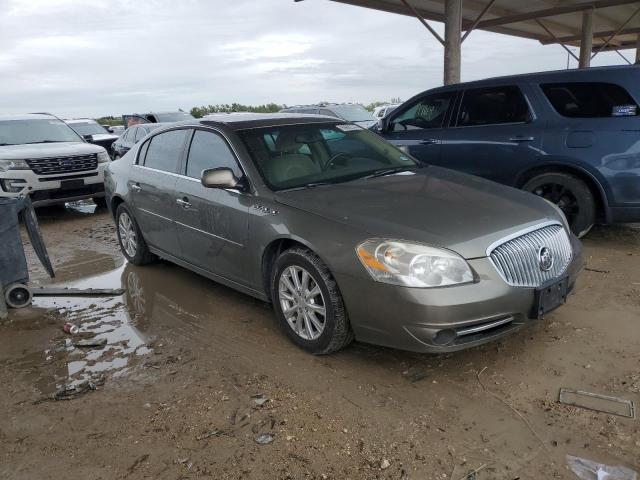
[[445, 337]]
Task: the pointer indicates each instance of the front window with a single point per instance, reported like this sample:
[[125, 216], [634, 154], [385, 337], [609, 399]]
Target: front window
[[493, 106], [20, 132], [296, 156], [352, 113], [87, 128]]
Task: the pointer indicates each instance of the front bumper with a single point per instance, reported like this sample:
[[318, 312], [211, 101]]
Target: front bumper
[[54, 189], [443, 319]]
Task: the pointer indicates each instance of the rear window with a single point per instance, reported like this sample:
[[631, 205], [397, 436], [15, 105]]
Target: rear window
[[590, 100], [494, 105]]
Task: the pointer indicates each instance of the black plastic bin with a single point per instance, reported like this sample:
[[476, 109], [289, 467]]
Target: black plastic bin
[[14, 273]]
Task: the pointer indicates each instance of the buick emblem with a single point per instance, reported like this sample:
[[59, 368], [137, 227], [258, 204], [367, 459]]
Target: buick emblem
[[545, 259]]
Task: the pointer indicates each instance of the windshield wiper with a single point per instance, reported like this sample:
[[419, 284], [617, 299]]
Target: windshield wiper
[[308, 185], [388, 171]]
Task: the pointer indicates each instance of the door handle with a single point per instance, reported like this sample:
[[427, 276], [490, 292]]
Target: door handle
[[136, 187], [428, 141], [184, 203], [520, 138]]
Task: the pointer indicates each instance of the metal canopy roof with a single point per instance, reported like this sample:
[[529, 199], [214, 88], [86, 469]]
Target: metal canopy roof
[[616, 23]]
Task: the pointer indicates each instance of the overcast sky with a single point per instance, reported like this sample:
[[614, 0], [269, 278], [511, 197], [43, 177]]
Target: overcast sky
[[108, 57]]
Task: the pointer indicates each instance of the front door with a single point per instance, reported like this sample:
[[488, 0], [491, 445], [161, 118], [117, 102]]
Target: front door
[[417, 128], [152, 183], [495, 134], [212, 224]]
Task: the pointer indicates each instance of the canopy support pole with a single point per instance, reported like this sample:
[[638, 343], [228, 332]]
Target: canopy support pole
[[452, 41], [586, 42]]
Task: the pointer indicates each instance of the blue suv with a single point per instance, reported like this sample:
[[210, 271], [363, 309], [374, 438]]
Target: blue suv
[[572, 137]]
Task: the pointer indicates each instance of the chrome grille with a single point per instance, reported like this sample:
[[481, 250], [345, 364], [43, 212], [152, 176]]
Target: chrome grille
[[53, 165], [518, 259]]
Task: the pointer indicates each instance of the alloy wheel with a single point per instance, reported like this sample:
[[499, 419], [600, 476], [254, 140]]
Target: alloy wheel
[[562, 197], [302, 302], [128, 237]]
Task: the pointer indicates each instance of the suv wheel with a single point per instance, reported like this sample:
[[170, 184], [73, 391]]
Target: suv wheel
[[132, 244], [572, 195], [308, 303]]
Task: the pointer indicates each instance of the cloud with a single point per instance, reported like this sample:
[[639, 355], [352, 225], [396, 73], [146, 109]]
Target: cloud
[[78, 58]]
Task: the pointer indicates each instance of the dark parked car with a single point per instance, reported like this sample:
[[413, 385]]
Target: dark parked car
[[92, 132], [131, 136], [153, 117], [373, 246], [572, 137], [351, 112]]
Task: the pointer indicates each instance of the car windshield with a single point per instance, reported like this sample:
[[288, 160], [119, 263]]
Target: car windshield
[[19, 132], [88, 128], [307, 155], [353, 113], [173, 117]]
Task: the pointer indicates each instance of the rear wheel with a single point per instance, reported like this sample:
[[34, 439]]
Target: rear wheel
[[18, 295], [571, 194], [308, 303], [132, 244]]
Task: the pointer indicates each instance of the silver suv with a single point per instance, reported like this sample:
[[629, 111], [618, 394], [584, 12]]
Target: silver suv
[[42, 156]]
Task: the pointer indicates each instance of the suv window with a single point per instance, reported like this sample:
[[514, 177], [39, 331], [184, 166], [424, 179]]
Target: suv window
[[494, 105], [429, 112], [141, 132], [590, 100], [164, 150], [209, 150], [324, 111]]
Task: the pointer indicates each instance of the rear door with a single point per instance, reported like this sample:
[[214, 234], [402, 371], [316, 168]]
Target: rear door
[[418, 126], [212, 224], [494, 134], [152, 183]]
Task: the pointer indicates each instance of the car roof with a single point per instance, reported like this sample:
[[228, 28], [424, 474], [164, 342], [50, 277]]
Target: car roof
[[548, 76], [80, 120], [244, 120], [28, 116]]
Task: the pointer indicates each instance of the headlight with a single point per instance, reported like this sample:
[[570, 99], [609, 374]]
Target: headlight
[[413, 264], [103, 157], [6, 165]]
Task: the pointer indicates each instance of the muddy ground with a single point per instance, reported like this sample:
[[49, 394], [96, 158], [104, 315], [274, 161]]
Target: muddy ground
[[179, 389]]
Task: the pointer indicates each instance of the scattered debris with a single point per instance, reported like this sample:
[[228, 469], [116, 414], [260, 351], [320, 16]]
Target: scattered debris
[[259, 399], [70, 328], [596, 270], [384, 464], [77, 292], [211, 433], [66, 393], [473, 474], [264, 439], [91, 342], [589, 470], [597, 402], [416, 377]]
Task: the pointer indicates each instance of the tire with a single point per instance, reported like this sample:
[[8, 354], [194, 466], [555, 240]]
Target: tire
[[18, 295], [139, 254], [336, 332], [571, 194], [101, 202]]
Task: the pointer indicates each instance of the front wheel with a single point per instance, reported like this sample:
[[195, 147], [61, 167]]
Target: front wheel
[[308, 303], [132, 244], [572, 195]]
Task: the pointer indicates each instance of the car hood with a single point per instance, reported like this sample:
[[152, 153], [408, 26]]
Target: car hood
[[44, 150], [433, 205]]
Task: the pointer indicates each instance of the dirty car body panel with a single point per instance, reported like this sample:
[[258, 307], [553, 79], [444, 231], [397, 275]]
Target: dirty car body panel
[[233, 235]]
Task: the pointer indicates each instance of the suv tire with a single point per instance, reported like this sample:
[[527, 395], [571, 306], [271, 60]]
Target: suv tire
[[571, 194], [130, 238], [316, 319]]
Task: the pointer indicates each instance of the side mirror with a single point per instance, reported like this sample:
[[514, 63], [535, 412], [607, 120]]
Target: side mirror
[[110, 129], [88, 138], [219, 178], [380, 125]]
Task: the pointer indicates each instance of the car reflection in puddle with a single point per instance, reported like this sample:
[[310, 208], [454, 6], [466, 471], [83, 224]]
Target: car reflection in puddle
[[100, 320], [162, 305]]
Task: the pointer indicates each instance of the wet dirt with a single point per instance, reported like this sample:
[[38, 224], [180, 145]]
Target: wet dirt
[[194, 377]]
